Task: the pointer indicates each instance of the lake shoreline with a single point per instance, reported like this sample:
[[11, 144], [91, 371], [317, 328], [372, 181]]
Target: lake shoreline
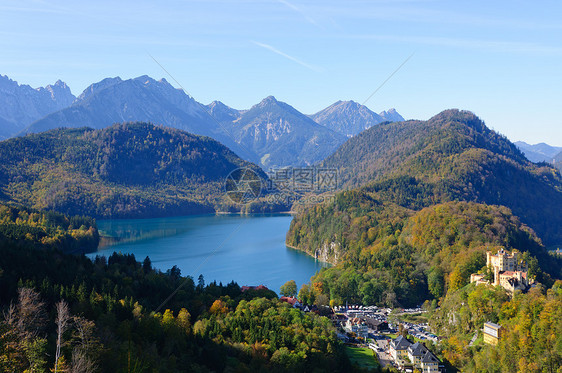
[[247, 248], [304, 252]]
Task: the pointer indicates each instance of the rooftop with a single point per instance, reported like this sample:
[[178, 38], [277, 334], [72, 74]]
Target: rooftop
[[429, 358], [400, 343], [492, 325], [417, 349]]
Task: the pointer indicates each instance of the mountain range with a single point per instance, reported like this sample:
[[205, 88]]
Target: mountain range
[[20, 105], [283, 136], [539, 152], [272, 133], [144, 99], [350, 118]]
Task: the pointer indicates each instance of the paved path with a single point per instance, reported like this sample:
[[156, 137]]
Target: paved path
[[384, 357], [473, 339]]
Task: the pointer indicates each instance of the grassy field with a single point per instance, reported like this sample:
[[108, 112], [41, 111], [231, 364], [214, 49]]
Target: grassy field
[[364, 357]]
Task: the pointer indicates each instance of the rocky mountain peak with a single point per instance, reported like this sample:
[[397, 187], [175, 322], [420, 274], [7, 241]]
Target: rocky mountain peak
[[269, 100], [20, 105], [97, 87], [347, 117], [391, 115]]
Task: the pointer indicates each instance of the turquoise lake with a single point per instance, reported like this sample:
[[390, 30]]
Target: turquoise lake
[[247, 249]]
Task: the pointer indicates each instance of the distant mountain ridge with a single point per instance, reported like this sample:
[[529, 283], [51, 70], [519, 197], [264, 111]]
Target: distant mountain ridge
[[97, 87], [283, 136], [539, 152], [144, 99], [391, 115], [223, 113], [20, 105], [350, 118], [272, 134]]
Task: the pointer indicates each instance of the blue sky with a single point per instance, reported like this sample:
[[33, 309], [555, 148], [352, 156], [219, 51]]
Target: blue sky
[[499, 59]]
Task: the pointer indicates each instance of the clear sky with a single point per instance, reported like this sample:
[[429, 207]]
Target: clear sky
[[499, 59]]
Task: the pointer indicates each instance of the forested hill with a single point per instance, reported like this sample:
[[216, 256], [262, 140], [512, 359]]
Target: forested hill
[[126, 170], [28, 229], [452, 156], [436, 196], [386, 254], [108, 311], [393, 147]]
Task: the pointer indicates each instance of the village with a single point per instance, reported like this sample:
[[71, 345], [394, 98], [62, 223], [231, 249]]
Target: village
[[383, 331], [398, 337]]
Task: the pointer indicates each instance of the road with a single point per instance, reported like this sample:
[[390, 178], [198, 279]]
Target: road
[[384, 358]]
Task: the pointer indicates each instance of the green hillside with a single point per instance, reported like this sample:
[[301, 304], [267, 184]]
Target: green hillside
[[29, 229], [532, 331], [430, 198], [452, 156], [127, 170], [386, 254]]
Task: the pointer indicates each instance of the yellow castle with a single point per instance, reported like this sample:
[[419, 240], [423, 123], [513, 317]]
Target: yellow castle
[[510, 270]]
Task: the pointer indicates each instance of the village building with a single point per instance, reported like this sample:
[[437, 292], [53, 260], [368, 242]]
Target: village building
[[358, 327], [338, 319], [399, 349], [422, 359], [413, 355], [429, 363], [374, 324], [492, 333], [294, 302], [259, 287]]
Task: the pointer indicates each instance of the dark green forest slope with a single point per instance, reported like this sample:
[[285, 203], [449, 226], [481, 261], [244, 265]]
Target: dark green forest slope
[[430, 198], [127, 170], [452, 156], [113, 316]]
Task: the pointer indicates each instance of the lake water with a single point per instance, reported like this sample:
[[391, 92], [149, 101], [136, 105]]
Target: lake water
[[247, 249]]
